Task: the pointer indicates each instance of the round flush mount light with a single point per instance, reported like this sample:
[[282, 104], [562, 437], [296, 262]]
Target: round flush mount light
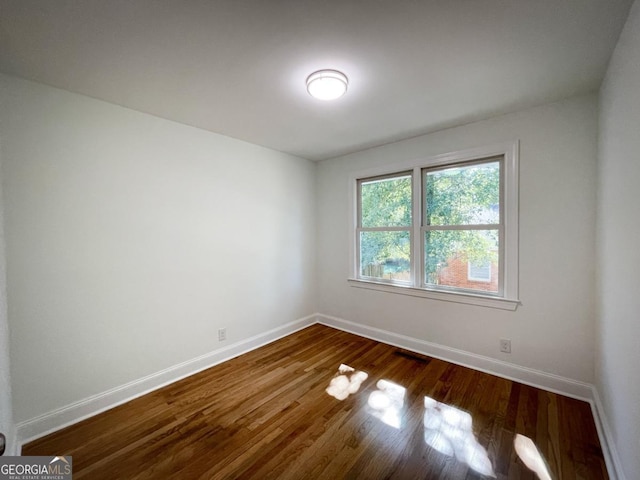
[[327, 84]]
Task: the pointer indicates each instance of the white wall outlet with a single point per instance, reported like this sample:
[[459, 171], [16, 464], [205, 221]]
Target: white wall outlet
[[505, 346], [222, 334]]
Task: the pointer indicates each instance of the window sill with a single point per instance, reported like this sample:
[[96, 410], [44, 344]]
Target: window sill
[[466, 298]]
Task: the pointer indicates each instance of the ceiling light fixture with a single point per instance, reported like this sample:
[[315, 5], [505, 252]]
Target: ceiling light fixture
[[327, 84]]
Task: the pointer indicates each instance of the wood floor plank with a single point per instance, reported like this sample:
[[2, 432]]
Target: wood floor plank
[[266, 414]]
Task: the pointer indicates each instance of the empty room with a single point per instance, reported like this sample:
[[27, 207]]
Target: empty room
[[319, 240]]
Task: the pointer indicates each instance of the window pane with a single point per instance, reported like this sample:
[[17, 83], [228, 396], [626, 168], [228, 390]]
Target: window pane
[[386, 202], [385, 255], [463, 195], [466, 259]]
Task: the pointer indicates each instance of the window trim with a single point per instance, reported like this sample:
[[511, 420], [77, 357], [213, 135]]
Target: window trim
[[509, 299]]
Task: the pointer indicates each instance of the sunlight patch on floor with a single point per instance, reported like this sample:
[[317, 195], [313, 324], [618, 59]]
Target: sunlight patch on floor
[[386, 402], [342, 385], [531, 457], [449, 430]]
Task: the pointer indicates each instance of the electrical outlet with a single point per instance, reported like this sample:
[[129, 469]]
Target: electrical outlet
[[505, 346], [222, 334]]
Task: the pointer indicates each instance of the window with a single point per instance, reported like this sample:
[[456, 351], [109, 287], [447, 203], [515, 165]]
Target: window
[[384, 230], [479, 272], [444, 228], [461, 223]]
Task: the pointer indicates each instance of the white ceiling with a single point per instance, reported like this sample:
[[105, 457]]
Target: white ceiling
[[238, 67]]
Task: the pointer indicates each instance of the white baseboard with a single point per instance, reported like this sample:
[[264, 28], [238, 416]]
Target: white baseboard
[[60, 418], [11, 448], [63, 417], [536, 378], [611, 457]]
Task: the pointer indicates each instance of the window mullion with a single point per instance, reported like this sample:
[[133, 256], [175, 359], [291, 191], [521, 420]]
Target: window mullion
[[417, 245]]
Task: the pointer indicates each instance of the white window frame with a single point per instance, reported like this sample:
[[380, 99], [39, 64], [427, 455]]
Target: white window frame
[[510, 178], [497, 227]]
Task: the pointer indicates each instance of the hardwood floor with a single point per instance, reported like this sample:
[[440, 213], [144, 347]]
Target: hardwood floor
[[266, 414]]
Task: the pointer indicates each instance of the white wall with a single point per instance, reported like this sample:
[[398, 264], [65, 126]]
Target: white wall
[[553, 329], [7, 426], [619, 246], [131, 239]]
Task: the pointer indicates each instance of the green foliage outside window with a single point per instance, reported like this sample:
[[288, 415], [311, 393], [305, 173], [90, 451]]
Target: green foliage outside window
[[464, 195], [386, 203]]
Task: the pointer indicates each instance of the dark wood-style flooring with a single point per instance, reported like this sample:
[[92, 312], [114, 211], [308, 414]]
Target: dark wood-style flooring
[[266, 414]]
